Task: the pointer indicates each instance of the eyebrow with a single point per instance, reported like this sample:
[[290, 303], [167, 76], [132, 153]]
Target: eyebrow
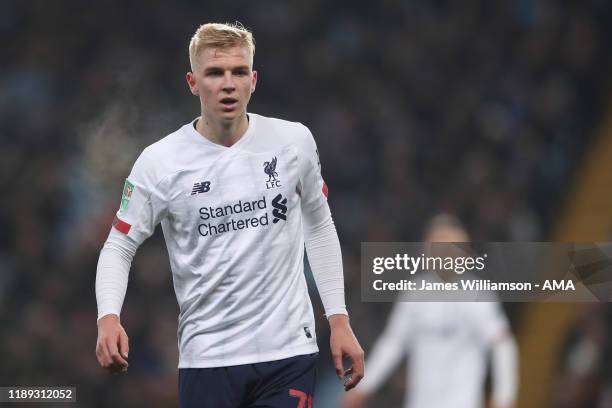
[[216, 68]]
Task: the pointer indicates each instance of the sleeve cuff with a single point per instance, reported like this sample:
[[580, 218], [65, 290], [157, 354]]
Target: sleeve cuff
[[336, 311]]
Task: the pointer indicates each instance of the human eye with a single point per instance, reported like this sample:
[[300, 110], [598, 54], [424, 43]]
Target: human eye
[[214, 73]]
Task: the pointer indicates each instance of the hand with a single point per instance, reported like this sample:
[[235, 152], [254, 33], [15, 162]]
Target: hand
[[112, 345], [343, 343], [354, 399]]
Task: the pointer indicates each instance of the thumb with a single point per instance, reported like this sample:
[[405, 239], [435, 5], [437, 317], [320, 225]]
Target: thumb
[[124, 346]]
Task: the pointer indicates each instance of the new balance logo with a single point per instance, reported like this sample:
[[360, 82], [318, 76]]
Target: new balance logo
[[280, 209], [202, 187]]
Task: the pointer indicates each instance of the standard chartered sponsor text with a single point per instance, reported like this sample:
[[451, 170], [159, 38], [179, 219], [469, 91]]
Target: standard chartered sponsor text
[[252, 209]]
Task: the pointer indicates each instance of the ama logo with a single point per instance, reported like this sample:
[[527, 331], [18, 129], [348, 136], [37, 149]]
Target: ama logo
[[270, 170]]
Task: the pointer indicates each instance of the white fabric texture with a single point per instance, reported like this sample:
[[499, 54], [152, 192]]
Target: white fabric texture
[[504, 371], [389, 350], [325, 259], [447, 345], [322, 247], [234, 221], [113, 271]]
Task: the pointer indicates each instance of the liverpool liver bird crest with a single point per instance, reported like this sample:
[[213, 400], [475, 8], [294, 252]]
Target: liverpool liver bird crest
[[270, 169]]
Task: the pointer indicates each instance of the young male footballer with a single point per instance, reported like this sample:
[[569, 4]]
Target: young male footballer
[[238, 196], [448, 345]]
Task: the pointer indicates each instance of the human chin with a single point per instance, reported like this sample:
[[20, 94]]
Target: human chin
[[229, 114]]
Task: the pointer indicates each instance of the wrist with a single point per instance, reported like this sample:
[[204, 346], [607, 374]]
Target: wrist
[[111, 317], [337, 321]]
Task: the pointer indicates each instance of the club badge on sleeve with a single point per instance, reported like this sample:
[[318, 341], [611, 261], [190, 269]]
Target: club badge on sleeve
[[128, 189]]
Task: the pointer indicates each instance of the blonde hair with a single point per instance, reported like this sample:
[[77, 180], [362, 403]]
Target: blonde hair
[[443, 221], [216, 35]]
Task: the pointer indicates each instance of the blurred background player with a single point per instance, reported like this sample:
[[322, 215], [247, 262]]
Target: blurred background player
[[585, 366], [447, 345], [238, 196]]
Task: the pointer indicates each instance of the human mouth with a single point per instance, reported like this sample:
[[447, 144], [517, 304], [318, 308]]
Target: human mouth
[[229, 103]]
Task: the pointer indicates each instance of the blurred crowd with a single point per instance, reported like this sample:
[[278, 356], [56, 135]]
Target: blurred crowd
[[482, 109]]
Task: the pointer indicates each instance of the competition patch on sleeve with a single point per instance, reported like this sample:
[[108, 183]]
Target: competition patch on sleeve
[[121, 226], [128, 189], [325, 191]]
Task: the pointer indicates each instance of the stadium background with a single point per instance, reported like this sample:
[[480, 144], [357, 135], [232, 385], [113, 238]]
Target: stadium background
[[497, 111]]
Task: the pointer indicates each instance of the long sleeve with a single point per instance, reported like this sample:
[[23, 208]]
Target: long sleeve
[[112, 272], [320, 236], [325, 258], [142, 208]]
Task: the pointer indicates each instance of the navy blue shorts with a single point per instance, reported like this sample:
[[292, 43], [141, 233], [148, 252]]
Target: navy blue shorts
[[287, 383]]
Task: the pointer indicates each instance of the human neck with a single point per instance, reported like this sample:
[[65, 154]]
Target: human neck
[[223, 133]]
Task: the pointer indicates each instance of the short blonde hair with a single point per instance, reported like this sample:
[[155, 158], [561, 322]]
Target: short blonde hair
[[216, 35]]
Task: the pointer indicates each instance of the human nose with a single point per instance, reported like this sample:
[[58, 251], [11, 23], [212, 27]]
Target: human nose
[[228, 82]]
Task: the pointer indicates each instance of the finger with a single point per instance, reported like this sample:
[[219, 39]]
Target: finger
[[124, 346], [99, 356], [113, 351], [337, 357], [347, 378], [352, 381], [358, 370], [104, 356], [358, 363]]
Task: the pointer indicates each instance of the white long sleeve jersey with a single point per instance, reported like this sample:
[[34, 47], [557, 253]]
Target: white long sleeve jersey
[[447, 344], [232, 219]]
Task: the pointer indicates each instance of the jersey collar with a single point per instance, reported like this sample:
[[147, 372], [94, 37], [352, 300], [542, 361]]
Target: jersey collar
[[190, 130]]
